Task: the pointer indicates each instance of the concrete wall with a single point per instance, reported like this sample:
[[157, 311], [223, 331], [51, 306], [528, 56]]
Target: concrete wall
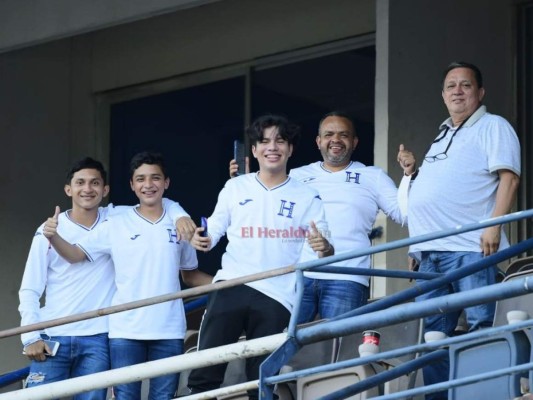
[[34, 122], [33, 21], [49, 99], [416, 40]]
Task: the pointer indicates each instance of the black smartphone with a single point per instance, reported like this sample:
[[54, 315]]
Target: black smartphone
[[203, 223], [238, 155]]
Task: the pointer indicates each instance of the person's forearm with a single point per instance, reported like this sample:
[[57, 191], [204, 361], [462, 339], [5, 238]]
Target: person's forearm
[[73, 254], [29, 314], [506, 193], [196, 278]]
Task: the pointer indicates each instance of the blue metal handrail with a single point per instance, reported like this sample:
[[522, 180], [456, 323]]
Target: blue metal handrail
[[391, 316], [316, 333], [13, 376]]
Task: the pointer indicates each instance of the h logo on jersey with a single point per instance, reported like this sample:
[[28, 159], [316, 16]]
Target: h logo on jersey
[[286, 208], [354, 178], [172, 236]]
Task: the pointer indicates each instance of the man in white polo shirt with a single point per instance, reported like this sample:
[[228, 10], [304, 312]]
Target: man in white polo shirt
[[470, 173]]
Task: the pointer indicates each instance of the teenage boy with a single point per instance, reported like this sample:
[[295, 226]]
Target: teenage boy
[[71, 289], [147, 256], [267, 217]]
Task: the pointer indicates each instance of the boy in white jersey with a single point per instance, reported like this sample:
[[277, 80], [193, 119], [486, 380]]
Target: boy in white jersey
[[70, 289], [147, 256], [267, 217]]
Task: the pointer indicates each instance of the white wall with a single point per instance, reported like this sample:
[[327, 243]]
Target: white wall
[[49, 95]]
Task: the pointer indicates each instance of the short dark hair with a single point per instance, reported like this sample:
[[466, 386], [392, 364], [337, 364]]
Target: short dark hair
[[288, 131], [462, 64], [150, 158], [86, 163], [339, 114]]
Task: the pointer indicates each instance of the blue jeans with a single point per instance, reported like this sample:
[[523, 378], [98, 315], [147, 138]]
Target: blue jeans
[[125, 352], [76, 356], [477, 316], [330, 298]]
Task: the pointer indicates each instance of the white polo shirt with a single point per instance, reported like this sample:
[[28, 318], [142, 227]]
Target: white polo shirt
[[461, 189]]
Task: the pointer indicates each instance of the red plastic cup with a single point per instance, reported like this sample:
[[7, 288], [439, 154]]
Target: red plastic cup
[[371, 337]]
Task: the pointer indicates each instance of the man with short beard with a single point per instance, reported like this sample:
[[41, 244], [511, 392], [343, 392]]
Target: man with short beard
[[353, 194]]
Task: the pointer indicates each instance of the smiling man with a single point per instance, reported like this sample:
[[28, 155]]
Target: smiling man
[[470, 173], [83, 346], [274, 208], [353, 194]]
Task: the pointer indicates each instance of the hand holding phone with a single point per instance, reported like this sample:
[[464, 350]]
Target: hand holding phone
[[238, 155], [51, 344], [203, 223]]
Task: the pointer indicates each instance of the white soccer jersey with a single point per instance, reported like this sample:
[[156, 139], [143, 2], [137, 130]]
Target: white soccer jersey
[[147, 258], [70, 288], [461, 189], [266, 229], [352, 198]]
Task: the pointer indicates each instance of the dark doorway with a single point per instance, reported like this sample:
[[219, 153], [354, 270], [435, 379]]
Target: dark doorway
[[194, 128], [306, 90]]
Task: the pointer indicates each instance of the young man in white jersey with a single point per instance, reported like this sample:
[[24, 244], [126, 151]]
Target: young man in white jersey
[[268, 218], [470, 173], [353, 194], [147, 258], [70, 289]]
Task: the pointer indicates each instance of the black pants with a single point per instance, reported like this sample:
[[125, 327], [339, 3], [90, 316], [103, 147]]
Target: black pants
[[230, 312]]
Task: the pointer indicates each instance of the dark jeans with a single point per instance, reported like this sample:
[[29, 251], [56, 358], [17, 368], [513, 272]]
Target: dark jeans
[[229, 313]]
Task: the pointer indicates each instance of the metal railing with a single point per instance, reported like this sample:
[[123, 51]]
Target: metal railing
[[286, 345]]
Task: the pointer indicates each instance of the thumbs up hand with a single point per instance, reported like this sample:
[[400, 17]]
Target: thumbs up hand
[[407, 160], [318, 242], [50, 226]]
